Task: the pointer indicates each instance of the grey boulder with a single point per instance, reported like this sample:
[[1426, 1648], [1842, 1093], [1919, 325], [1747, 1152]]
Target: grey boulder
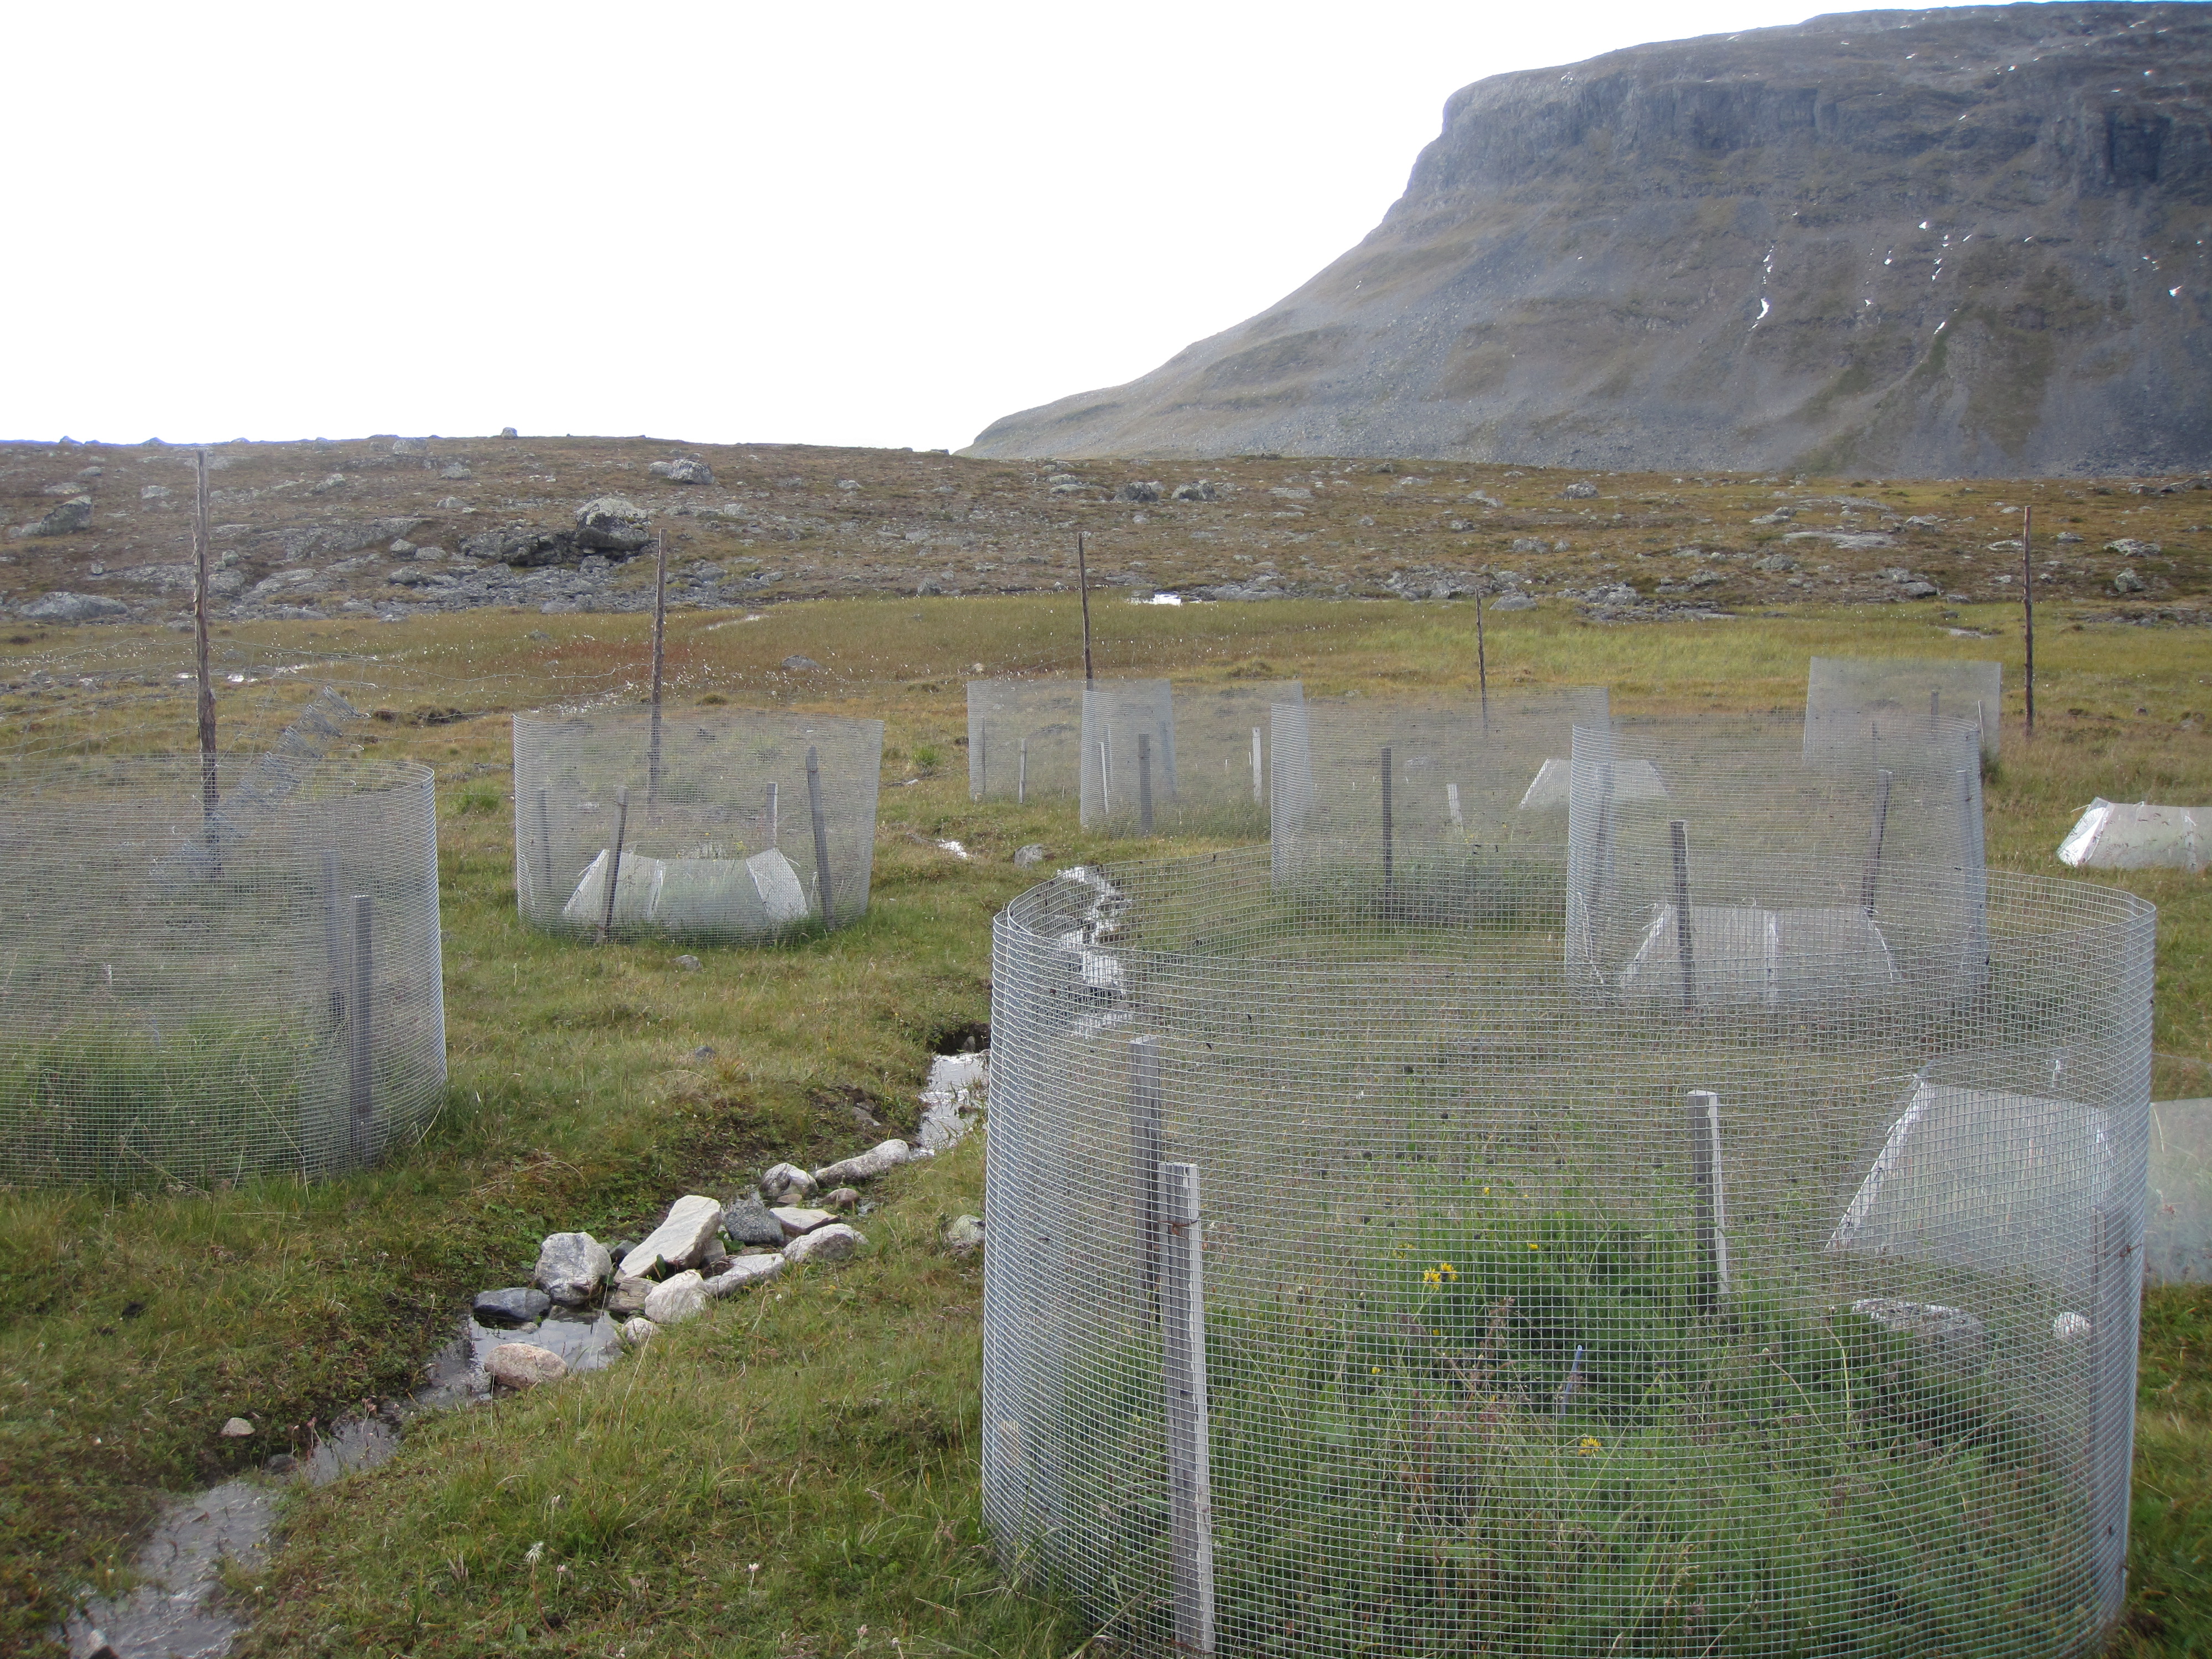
[[742, 1273], [510, 1310], [613, 523], [684, 470], [1199, 491], [73, 608], [523, 1365], [836, 1243], [2126, 581], [964, 1232], [571, 1267], [783, 1182], [69, 515], [627, 1297], [798, 1221], [678, 1299], [747, 1221], [1137, 491], [1579, 492], [1513, 602]]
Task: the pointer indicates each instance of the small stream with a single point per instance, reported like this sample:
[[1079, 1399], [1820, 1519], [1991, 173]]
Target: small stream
[[177, 1610]]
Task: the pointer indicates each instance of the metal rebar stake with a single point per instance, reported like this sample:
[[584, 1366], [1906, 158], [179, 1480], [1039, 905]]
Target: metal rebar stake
[[1870, 876], [1182, 1363], [614, 860], [1144, 783], [1021, 776], [1144, 1160]]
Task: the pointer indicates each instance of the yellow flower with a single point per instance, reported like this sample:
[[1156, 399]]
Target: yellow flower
[[1431, 1276], [1375, 1371], [1590, 1446], [1447, 1270], [1485, 1191], [1533, 1245]]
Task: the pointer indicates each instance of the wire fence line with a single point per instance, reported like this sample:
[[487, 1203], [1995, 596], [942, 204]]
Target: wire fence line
[[1535, 1317], [187, 999]]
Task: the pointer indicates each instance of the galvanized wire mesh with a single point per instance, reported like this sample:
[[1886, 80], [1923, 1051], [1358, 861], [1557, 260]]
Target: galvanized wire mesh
[[716, 827], [1679, 831], [1424, 804], [1224, 737], [188, 999], [1531, 1320], [1023, 739], [1128, 755], [1851, 700]]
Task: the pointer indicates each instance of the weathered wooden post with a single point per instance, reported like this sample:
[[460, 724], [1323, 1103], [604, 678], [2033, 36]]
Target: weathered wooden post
[[821, 835], [1259, 770], [2027, 604], [1145, 1162], [659, 634], [1182, 1358], [1022, 776], [1709, 1201], [200, 597]]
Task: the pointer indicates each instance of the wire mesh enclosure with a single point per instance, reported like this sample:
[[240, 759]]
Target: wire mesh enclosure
[[1425, 804], [190, 997], [1851, 701], [1128, 756], [719, 827], [1359, 1284], [1667, 892], [1024, 738]]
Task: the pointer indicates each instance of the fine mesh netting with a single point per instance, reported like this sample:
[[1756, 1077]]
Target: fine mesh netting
[[1023, 739], [1359, 1284], [1128, 756], [1851, 700], [715, 827], [1670, 894], [1427, 804], [188, 998]]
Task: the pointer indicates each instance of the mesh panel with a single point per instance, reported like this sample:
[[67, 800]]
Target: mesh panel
[[1686, 840], [1531, 1320], [190, 999], [1128, 755], [1024, 738], [723, 830], [1470, 801], [1849, 700]]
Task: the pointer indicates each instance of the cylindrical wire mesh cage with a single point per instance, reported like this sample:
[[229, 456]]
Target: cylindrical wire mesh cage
[[728, 828], [1852, 701], [1360, 1285], [189, 998], [1024, 738], [1428, 805], [1688, 841], [1224, 742], [1128, 755]]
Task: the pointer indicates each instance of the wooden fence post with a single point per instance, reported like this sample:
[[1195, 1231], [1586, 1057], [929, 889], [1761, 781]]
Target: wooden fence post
[[1710, 1200], [1190, 1496], [1679, 831]]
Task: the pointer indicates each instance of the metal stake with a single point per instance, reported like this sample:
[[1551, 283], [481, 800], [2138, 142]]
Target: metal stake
[[821, 835], [614, 860], [1144, 783], [1870, 878], [1145, 1159], [1679, 831], [1083, 580], [1710, 1222], [1388, 859], [659, 632], [208, 794], [361, 1054], [2027, 604]]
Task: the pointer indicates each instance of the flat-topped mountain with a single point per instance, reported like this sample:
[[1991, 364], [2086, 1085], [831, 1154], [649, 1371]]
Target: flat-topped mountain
[[1970, 240]]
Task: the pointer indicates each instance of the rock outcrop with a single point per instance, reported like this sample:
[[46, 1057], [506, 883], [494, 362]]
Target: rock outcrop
[[1960, 241]]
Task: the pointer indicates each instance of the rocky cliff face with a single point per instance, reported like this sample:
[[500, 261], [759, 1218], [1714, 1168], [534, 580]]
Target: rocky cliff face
[[1963, 241]]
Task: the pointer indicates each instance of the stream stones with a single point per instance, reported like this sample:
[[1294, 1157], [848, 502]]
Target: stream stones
[[796, 1222], [681, 1240], [674, 1300], [518, 1365], [879, 1159], [747, 1221], [512, 1310], [835, 1242], [783, 1182], [742, 1273], [571, 1267], [627, 1297]]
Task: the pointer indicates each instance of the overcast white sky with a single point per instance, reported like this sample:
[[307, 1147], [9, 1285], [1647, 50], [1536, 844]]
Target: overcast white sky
[[858, 224]]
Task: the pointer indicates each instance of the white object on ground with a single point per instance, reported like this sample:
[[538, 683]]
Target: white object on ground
[[2114, 836]]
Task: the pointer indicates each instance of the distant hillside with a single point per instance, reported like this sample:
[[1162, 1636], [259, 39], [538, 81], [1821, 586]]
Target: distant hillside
[[1963, 241]]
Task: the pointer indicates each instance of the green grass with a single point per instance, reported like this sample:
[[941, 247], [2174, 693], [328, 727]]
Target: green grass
[[834, 1440]]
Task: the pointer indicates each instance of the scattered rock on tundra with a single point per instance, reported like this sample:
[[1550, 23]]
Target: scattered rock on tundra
[[680, 1241], [677, 1299], [523, 1365], [742, 1273], [879, 1159], [237, 1429], [784, 1182], [796, 1221], [833, 1243], [627, 1296], [510, 1310], [639, 1331], [964, 1232], [747, 1221], [843, 1198], [571, 1267], [612, 522], [1028, 857]]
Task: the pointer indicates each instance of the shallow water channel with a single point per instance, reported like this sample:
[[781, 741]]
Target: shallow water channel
[[177, 1609]]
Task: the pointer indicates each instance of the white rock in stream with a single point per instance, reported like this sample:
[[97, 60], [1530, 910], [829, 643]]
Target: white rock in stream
[[787, 1181], [955, 1089], [743, 1272], [571, 1267], [674, 1300], [524, 1365], [879, 1159], [681, 1240], [795, 1221], [834, 1243]]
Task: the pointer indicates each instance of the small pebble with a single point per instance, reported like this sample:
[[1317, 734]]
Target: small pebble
[[690, 965]]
